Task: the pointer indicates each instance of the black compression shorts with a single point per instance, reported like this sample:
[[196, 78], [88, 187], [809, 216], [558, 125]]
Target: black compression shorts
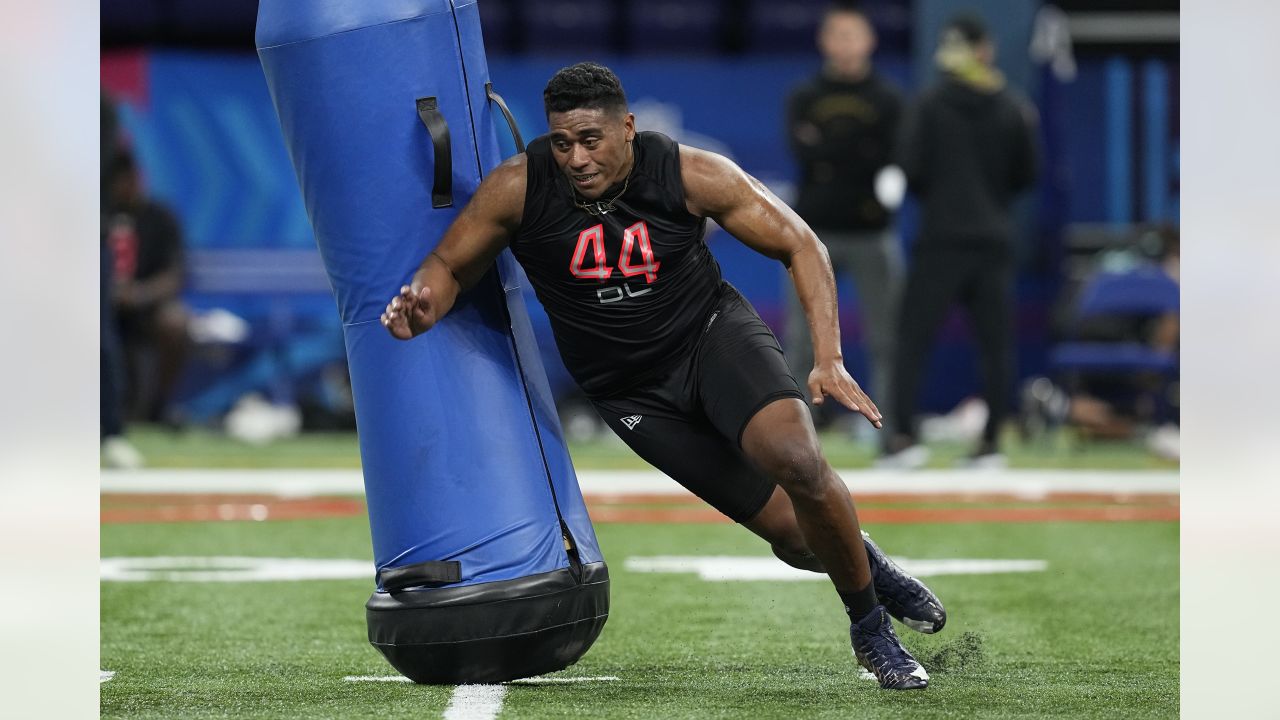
[[689, 422]]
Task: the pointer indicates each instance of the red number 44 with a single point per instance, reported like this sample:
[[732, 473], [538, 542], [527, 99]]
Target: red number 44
[[634, 238]]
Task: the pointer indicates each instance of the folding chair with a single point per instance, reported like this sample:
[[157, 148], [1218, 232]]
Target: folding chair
[[1143, 292]]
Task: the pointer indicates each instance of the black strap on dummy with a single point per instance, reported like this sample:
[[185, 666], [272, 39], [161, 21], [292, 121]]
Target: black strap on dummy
[[442, 190], [432, 572], [506, 112]]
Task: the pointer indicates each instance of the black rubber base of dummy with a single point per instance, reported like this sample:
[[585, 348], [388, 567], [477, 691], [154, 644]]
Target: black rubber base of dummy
[[491, 632]]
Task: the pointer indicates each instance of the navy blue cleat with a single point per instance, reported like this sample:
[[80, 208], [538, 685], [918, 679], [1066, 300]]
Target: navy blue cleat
[[876, 648], [906, 598]]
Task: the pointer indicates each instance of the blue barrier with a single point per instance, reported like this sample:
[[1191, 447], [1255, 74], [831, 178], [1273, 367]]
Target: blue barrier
[[487, 565]]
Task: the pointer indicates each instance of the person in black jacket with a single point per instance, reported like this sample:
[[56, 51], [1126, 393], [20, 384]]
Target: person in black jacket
[[841, 126], [149, 271], [116, 450], [968, 149]]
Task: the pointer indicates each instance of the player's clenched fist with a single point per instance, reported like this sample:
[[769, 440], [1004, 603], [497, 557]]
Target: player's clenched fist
[[409, 313]]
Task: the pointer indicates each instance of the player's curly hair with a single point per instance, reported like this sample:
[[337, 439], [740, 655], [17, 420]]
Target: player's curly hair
[[585, 85]]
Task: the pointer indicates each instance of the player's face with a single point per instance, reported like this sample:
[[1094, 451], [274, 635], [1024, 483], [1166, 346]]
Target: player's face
[[592, 147]]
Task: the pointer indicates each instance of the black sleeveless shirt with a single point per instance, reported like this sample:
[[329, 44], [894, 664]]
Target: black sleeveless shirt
[[627, 291]]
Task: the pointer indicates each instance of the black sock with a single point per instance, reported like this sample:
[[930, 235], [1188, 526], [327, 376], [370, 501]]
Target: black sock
[[860, 604]]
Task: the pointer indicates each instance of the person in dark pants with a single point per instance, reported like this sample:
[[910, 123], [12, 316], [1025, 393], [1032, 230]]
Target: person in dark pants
[[968, 149], [841, 126], [146, 243], [116, 450]]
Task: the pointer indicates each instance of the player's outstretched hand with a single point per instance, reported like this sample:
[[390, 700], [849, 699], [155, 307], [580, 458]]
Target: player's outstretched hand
[[409, 313], [830, 378]]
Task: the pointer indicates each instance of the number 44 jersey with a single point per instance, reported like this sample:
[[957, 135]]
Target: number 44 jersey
[[627, 281]]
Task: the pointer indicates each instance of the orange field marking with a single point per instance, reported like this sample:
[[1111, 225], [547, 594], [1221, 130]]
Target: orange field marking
[[204, 508], [680, 508], [913, 515], [919, 498]]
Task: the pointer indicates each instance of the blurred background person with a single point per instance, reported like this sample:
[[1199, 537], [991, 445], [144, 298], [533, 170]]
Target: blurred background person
[[146, 284], [1137, 400], [969, 147], [841, 126], [117, 451]]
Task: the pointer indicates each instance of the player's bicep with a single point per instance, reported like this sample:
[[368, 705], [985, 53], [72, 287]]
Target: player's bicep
[[486, 224], [717, 188]]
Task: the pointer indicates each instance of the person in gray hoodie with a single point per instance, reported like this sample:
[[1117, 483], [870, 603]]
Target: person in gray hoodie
[[968, 149]]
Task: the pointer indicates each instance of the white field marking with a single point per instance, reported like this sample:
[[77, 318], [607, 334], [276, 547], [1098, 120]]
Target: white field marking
[[231, 569], [521, 681], [475, 702], [284, 483], [105, 675], [721, 568], [1031, 484], [560, 680]]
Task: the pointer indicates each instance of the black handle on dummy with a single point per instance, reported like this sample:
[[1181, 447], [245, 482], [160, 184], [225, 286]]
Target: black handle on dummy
[[432, 572], [506, 112], [433, 119]]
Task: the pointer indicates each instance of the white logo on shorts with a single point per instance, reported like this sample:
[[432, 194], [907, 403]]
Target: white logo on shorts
[[631, 421]]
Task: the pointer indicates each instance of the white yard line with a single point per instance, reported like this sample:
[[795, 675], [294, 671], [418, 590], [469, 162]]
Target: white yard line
[[521, 681], [286, 483], [726, 568], [230, 569], [479, 702], [561, 680], [475, 702], [308, 483]]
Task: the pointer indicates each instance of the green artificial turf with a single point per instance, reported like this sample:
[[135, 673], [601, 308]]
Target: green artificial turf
[[201, 448], [1096, 635]]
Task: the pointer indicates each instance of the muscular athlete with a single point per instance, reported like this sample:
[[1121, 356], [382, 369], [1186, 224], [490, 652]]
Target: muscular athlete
[[608, 224]]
